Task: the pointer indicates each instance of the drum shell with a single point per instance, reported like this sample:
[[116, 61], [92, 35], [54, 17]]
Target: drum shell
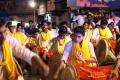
[[103, 52], [54, 63], [69, 73]]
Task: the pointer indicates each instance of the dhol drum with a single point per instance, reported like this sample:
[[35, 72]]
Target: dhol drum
[[103, 53], [78, 72], [20, 77], [94, 73], [68, 73], [54, 63]]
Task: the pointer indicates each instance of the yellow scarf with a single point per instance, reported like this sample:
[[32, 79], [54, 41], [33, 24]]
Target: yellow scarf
[[103, 33], [59, 45], [9, 62], [76, 48], [11, 34], [31, 40], [7, 31], [88, 34], [20, 37], [44, 37]]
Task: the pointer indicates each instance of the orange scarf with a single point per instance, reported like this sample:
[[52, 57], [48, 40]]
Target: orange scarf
[[31, 42], [84, 50]]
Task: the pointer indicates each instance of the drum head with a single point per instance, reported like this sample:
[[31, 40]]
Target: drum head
[[101, 51], [68, 73]]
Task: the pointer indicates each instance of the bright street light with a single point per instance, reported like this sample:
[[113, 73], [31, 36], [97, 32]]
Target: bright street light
[[32, 3]]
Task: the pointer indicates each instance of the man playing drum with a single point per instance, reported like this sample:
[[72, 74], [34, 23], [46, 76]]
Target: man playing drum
[[10, 47], [88, 32], [80, 51], [44, 39], [60, 41], [58, 45], [33, 40], [103, 32]]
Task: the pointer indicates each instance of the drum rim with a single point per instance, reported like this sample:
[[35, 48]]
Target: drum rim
[[107, 48], [74, 70], [106, 52], [73, 67]]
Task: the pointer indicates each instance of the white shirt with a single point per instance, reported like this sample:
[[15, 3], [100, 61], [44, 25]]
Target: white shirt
[[96, 34], [1, 56], [80, 20], [98, 23], [68, 50], [116, 20], [54, 33], [118, 55], [20, 51], [109, 21], [87, 37], [117, 29], [69, 30]]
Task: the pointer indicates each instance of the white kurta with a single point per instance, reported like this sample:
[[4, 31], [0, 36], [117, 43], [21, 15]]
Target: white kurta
[[18, 50], [68, 48]]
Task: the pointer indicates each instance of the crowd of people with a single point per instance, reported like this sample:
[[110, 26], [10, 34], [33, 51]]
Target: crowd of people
[[36, 45]]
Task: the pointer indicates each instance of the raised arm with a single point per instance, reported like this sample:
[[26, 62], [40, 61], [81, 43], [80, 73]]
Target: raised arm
[[25, 54]]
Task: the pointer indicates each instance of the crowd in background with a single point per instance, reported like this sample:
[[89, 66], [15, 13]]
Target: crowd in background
[[50, 38]]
